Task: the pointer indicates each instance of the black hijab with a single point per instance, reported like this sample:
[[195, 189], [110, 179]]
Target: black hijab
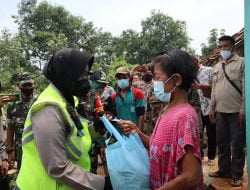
[[65, 68]]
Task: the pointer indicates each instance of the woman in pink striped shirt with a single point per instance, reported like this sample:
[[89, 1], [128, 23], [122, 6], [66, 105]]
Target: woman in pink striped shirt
[[175, 159]]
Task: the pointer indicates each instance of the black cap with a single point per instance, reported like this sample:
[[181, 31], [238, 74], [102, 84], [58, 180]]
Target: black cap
[[98, 76]]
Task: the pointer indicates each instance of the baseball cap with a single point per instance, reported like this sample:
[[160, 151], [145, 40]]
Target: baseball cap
[[122, 70]]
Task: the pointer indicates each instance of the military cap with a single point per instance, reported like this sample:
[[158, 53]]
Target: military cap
[[99, 76], [24, 79]]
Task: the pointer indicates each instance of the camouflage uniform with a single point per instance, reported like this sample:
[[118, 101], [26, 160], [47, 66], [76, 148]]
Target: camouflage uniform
[[97, 130], [16, 115], [194, 100], [154, 108]]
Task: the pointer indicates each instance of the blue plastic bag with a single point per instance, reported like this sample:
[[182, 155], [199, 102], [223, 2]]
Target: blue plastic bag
[[127, 161]]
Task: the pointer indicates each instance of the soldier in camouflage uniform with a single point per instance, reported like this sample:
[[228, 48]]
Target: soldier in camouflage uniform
[[89, 110], [153, 106], [194, 100], [16, 115]]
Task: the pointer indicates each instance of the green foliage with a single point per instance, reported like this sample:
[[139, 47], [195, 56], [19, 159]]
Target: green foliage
[[118, 62], [104, 50], [44, 28], [159, 32], [12, 63], [41, 83], [128, 45], [47, 28], [212, 43], [11, 60]]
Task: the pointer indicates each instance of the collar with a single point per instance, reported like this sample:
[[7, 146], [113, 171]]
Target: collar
[[58, 91], [234, 57], [126, 90]]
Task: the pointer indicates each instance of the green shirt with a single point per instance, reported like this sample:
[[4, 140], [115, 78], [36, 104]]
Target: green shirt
[[131, 106]]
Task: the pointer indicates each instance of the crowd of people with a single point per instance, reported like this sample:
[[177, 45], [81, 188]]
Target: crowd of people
[[54, 139]]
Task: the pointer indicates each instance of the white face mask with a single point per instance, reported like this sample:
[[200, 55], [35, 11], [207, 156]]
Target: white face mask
[[225, 54]]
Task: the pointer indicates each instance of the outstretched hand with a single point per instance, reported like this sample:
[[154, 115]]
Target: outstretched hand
[[128, 127], [109, 116]]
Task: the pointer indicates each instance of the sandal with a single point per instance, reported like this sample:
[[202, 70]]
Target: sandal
[[236, 183]]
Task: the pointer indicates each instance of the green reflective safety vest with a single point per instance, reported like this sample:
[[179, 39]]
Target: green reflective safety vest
[[32, 175]]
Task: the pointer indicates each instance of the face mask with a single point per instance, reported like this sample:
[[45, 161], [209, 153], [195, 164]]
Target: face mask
[[96, 86], [81, 88], [169, 80], [123, 83], [160, 93], [136, 84], [27, 92], [225, 54], [147, 77]]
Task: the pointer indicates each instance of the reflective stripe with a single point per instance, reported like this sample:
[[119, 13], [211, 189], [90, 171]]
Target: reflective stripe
[[71, 156], [28, 139], [27, 130], [73, 148]]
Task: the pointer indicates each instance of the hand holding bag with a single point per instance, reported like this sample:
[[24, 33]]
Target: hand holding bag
[[127, 160]]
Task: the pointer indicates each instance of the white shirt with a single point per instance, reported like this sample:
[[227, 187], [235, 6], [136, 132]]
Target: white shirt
[[205, 76]]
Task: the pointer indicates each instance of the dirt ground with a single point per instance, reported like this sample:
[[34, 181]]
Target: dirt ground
[[218, 184]]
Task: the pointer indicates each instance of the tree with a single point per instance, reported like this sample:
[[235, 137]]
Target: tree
[[128, 46], [104, 50], [11, 60], [161, 32], [212, 43], [13, 63], [46, 28]]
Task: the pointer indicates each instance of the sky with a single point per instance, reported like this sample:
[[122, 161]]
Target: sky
[[117, 15]]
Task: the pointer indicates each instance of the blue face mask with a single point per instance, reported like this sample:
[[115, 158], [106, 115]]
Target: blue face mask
[[225, 54], [160, 93], [123, 83]]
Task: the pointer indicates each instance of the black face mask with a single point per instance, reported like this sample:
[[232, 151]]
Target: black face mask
[[147, 77], [27, 92], [81, 88]]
